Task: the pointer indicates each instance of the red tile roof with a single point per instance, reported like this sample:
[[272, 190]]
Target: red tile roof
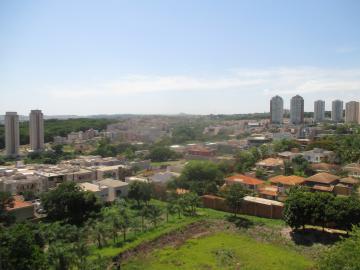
[[290, 180], [323, 178], [244, 179]]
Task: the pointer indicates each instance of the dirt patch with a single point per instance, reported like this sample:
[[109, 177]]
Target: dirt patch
[[175, 239]]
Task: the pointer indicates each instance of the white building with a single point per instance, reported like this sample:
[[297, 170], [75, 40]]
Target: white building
[[117, 189], [276, 110], [319, 110], [36, 132], [297, 110], [337, 111], [352, 112], [12, 134]]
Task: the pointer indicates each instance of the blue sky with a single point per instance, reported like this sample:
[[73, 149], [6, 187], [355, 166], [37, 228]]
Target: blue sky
[[91, 57]]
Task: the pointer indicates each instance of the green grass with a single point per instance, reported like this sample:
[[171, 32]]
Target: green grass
[[222, 251], [174, 224], [134, 240]]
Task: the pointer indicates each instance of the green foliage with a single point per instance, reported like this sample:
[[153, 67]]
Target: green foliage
[[6, 200], [140, 192], [234, 196], [245, 160], [183, 134], [53, 156], [343, 255], [70, 204], [162, 153], [19, 249], [188, 203], [201, 177], [285, 145], [321, 209]]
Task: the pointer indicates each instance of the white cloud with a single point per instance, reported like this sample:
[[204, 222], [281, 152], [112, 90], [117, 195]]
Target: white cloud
[[267, 81]]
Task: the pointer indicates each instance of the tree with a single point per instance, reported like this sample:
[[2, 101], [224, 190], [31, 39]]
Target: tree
[[6, 200], [100, 232], [199, 176], [285, 145], [170, 209], [124, 222], [297, 212], [234, 196], [140, 192], [343, 255], [69, 203], [245, 160], [19, 249], [154, 214], [60, 255], [189, 202], [161, 153]]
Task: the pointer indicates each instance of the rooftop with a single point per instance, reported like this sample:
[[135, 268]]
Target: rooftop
[[271, 162], [244, 179], [323, 178], [112, 183], [290, 180]]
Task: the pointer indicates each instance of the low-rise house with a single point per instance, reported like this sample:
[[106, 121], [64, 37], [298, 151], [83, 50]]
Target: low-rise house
[[284, 182], [131, 179], [19, 183], [101, 191], [248, 182], [288, 155], [324, 167], [324, 182], [318, 155], [117, 189], [346, 186], [199, 152], [21, 209], [163, 177], [270, 164], [353, 170], [268, 192]]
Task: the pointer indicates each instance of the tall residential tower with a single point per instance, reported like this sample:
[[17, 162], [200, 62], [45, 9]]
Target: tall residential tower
[[276, 110], [337, 111], [36, 125], [319, 111], [12, 134], [297, 110], [352, 112]]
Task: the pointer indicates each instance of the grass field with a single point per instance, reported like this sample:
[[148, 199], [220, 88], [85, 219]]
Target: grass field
[[222, 251]]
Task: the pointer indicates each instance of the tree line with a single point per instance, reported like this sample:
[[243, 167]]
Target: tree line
[[303, 207]]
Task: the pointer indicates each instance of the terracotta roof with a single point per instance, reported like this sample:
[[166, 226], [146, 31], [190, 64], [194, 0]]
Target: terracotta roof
[[19, 204], [324, 166], [324, 178], [323, 188], [349, 180], [271, 162], [244, 179], [354, 167], [290, 180], [269, 190]]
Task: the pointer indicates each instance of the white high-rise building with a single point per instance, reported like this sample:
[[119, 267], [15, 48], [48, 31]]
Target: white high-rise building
[[36, 125], [12, 134], [352, 112], [337, 111], [276, 110], [297, 110], [319, 110]]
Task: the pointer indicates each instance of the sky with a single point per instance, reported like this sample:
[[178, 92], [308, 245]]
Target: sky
[[90, 57]]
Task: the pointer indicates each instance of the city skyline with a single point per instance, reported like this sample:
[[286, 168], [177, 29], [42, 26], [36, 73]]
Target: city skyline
[[196, 58]]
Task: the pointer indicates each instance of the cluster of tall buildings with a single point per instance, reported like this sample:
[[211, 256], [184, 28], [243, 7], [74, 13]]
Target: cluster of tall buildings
[[12, 132], [352, 111]]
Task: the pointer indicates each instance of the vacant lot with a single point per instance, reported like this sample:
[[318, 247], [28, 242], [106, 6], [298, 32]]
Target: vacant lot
[[221, 250]]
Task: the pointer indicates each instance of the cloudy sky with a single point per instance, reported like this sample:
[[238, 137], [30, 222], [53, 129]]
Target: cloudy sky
[[91, 57]]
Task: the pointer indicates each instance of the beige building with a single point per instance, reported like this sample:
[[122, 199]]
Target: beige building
[[352, 113], [36, 132], [117, 189], [12, 134], [100, 190]]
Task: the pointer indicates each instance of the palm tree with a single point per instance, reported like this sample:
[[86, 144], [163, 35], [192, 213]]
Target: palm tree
[[154, 214]]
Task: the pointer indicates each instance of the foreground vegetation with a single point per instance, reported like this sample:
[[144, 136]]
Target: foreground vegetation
[[223, 250]]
